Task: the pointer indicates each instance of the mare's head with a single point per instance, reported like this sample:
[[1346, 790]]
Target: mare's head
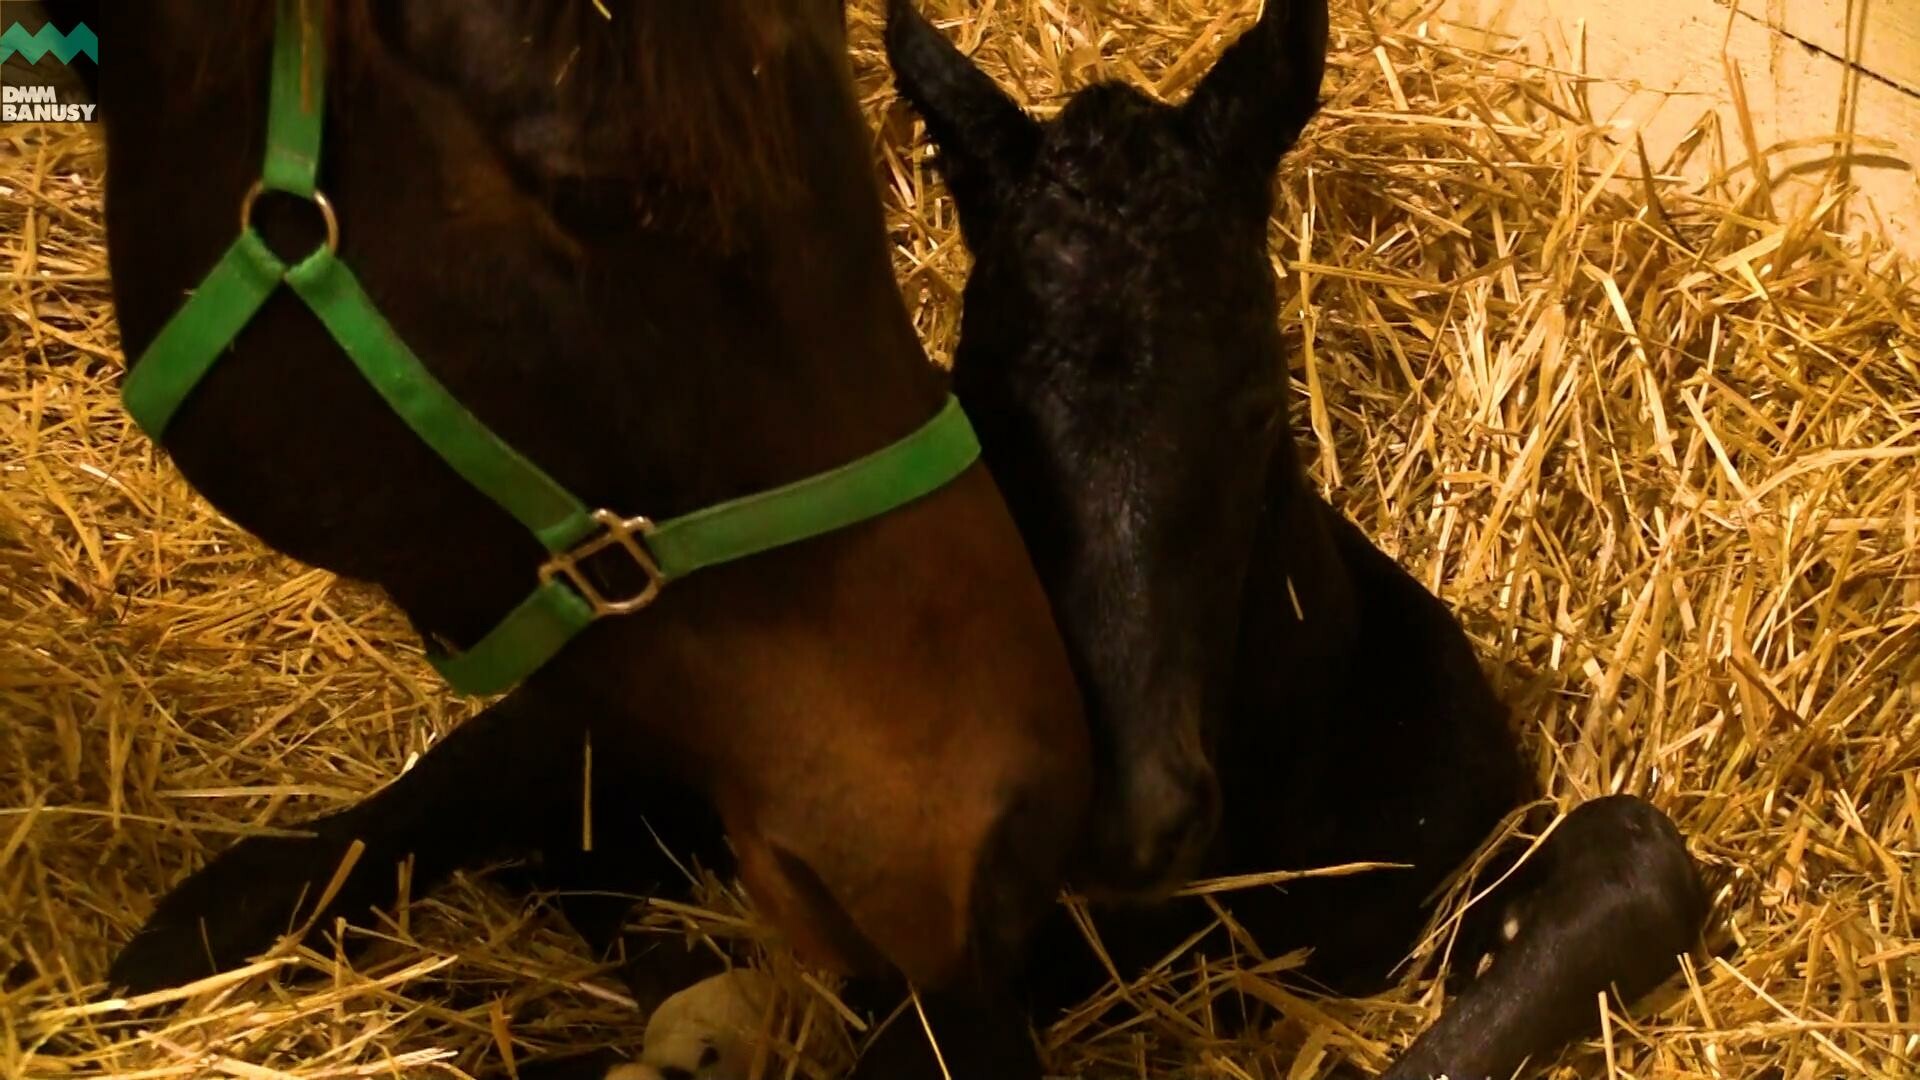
[[1120, 354], [647, 250]]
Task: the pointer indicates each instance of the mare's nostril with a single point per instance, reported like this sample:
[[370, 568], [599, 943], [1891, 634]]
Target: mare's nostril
[[1019, 874]]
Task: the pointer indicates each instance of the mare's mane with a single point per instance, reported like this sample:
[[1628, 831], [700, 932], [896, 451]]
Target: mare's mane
[[669, 96]]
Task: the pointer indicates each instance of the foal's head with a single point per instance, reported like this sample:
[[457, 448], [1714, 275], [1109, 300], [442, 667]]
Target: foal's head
[[1120, 354]]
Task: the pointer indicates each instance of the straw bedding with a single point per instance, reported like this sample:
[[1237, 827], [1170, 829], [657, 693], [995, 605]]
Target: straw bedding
[[1654, 439]]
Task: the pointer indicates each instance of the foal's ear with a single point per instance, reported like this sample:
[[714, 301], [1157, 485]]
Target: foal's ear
[[1252, 106], [986, 142]]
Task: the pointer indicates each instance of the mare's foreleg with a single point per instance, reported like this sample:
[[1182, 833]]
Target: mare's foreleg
[[1608, 904], [507, 782], [969, 1034]]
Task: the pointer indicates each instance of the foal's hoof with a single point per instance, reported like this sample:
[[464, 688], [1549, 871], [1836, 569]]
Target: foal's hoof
[[708, 1031], [232, 909]]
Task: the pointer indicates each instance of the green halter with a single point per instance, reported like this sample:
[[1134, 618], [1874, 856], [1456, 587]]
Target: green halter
[[566, 600]]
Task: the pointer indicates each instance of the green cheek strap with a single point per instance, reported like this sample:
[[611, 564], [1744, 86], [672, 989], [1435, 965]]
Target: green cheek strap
[[567, 599]]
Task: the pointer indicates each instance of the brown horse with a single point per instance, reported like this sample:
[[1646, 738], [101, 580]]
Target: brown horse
[[645, 248]]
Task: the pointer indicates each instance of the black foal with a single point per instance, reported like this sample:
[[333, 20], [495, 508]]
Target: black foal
[[1267, 689]]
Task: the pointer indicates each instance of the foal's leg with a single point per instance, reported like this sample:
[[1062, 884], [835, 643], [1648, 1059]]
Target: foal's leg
[[1608, 904], [506, 782]]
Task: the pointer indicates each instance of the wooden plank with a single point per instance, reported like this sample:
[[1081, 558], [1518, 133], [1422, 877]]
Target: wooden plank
[[1670, 60], [1889, 47]]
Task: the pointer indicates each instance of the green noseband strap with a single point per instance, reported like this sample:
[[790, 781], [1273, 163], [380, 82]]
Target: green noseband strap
[[568, 598]]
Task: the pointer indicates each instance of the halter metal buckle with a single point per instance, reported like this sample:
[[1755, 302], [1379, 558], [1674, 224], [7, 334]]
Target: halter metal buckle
[[318, 199], [625, 533]]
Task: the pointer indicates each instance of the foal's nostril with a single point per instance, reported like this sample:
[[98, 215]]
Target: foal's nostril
[[1156, 827], [1174, 821]]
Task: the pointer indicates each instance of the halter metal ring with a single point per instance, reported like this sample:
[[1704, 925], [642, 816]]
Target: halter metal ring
[[624, 533], [319, 199]]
